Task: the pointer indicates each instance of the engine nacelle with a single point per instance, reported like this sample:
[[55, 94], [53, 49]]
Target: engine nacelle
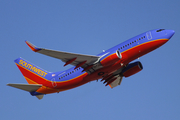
[[107, 60], [132, 69]]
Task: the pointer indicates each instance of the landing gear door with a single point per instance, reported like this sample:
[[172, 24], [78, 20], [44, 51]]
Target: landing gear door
[[149, 36]]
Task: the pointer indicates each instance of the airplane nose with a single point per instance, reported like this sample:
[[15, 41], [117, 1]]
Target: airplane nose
[[170, 33]]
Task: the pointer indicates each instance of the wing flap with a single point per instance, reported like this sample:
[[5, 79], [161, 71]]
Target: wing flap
[[26, 87], [112, 80], [116, 82]]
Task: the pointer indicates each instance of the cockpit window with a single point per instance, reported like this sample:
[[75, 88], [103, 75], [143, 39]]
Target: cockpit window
[[160, 30]]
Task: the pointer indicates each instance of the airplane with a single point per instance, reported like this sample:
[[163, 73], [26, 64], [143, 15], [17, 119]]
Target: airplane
[[110, 66]]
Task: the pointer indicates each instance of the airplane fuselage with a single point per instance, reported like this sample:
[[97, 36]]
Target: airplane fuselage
[[110, 66], [129, 50]]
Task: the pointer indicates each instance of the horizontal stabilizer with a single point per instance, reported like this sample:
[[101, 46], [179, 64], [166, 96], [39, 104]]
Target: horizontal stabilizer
[[26, 87]]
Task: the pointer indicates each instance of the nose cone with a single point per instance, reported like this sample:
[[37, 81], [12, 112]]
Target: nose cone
[[169, 33]]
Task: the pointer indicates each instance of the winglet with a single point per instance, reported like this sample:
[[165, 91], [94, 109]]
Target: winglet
[[33, 47]]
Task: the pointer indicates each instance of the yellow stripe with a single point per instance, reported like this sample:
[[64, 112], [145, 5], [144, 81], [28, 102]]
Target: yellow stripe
[[39, 84]]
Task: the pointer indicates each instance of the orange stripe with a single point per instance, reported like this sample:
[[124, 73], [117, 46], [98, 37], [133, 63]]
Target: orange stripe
[[44, 89]]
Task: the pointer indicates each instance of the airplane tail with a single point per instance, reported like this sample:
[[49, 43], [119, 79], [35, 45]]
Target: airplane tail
[[32, 73], [35, 76]]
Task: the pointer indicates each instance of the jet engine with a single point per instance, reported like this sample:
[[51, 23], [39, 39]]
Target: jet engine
[[132, 69], [107, 59]]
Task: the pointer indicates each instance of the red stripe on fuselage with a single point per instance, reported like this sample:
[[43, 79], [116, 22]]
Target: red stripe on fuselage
[[142, 49]]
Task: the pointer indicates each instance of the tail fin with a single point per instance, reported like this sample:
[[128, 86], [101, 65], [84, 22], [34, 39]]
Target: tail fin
[[35, 76], [32, 73]]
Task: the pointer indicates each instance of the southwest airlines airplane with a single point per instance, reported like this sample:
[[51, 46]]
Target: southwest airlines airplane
[[110, 66]]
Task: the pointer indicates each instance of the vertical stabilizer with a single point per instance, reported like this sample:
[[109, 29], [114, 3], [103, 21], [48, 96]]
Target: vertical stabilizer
[[32, 73]]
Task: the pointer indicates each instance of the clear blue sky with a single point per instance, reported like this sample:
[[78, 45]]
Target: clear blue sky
[[88, 27]]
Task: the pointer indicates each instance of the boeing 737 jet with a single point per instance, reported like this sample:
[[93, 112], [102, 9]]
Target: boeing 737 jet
[[110, 66]]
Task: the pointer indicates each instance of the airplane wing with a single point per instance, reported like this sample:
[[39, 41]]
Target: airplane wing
[[78, 60]]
